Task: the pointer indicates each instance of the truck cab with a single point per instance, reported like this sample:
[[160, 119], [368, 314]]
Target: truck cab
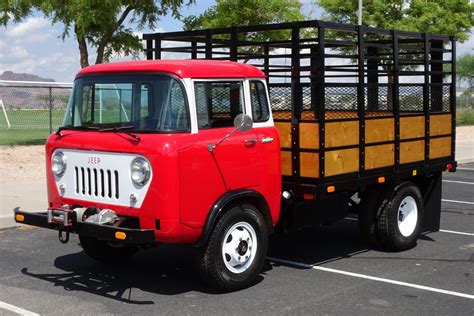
[[149, 150]]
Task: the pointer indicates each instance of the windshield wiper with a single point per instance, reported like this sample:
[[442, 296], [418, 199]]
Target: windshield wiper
[[120, 129], [62, 128]]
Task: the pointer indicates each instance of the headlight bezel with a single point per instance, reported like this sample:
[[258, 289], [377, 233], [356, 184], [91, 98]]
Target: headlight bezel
[[141, 166], [58, 159]]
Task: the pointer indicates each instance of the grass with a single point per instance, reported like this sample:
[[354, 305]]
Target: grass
[[465, 117], [28, 127]]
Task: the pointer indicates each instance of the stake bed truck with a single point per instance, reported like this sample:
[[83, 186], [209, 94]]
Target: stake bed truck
[[249, 136]]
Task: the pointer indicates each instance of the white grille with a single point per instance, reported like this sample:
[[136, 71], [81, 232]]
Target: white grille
[[102, 177], [97, 182]]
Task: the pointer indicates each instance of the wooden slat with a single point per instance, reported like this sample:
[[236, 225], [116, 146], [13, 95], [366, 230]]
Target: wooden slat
[[341, 161], [342, 134], [379, 130], [284, 129], [286, 163], [379, 156], [309, 165], [412, 151], [440, 147], [440, 125], [412, 127], [309, 135]]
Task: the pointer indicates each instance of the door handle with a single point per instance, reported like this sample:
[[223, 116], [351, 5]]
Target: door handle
[[250, 142], [267, 140]]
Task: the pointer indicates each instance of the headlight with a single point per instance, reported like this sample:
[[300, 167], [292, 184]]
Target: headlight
[[140, 171], [58, 163]]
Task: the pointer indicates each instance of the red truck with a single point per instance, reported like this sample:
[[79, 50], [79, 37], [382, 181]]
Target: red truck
[[202, 152]]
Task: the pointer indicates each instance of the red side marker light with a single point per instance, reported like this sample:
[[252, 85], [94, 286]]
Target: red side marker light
[[449, 166], [308, 196]]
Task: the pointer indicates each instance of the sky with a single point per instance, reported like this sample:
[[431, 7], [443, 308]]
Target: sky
[[34, 46]]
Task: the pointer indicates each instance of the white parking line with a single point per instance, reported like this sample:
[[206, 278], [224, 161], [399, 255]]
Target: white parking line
[[441, 230], [372, 278], [460, 202], [16, 309], [455, 232], [467, 169], [461, 182]]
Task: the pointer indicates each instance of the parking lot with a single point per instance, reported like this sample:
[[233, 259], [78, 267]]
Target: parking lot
[[323, 271]]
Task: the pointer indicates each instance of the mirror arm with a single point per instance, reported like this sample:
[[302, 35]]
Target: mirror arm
[[211, 147]]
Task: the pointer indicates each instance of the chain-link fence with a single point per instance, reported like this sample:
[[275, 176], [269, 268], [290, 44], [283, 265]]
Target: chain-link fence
[[30, 111]]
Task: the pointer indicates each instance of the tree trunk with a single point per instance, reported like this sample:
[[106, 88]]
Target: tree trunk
[[84, 54], [100, 54]]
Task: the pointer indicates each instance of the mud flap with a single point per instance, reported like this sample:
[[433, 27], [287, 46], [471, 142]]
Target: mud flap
[[432, 204]]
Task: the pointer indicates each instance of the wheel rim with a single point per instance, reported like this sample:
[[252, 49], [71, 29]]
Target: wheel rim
[[239, 247], [407, 216]]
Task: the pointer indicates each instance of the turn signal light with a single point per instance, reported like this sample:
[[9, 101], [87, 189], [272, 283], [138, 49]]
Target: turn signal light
[[120, 235], [381, 179], [19, 218], [331, 189]]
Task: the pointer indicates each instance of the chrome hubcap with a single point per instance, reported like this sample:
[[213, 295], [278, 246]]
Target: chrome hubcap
[[239, 247], [407, 216]]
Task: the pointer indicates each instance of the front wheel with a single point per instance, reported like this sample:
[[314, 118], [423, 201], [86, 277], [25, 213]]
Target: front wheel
[[235, 252]]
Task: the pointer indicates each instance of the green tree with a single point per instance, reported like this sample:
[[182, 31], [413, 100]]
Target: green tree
[[442, 17], [226, 13], [96, 23], [465, 67]]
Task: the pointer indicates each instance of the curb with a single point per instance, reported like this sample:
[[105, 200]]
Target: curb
[[7, 222]]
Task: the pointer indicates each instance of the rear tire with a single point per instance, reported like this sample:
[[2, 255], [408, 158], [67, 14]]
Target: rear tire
[[400, 218], [236, 250], [105, 251]]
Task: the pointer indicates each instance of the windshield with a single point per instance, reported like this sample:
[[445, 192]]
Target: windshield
[[134, 102]]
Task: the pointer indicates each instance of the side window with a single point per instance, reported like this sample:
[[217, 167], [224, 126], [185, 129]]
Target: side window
[[177, 114], [258, 98], [217, 103]]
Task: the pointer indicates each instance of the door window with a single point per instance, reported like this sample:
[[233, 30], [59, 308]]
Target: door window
[[218, 103]]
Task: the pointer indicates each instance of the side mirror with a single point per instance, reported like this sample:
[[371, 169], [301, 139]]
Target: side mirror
[[243, 122]]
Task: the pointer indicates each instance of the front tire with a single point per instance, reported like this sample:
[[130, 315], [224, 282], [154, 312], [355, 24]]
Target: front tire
[[400, 218], [236, 250], [105, 251]]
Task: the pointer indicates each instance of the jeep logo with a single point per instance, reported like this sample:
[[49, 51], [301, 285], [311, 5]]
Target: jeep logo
[[93, 160]]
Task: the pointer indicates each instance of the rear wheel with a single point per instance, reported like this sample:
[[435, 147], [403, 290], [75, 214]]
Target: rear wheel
[[235, 252], [400, 218], [105, 251]]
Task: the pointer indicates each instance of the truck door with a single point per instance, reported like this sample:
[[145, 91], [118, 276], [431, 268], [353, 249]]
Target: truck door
[[233, 164]]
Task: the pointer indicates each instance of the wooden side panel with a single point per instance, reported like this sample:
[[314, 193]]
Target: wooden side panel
[[309, 135], [342, 134], [379, 130], [379, 156], [284, 128], [341, 161], [286, 163], [440, 147], [309, 165], [440, 124], [412, 127], [412, 151]]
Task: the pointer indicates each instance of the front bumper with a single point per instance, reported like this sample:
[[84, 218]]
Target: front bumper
[[101, 232]]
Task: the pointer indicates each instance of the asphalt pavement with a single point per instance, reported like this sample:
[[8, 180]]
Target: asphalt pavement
[[327, 270]]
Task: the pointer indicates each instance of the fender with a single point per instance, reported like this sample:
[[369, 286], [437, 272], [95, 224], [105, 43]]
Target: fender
[[225, 200]]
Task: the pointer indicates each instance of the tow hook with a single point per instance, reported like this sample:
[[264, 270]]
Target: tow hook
[[63, 235]]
